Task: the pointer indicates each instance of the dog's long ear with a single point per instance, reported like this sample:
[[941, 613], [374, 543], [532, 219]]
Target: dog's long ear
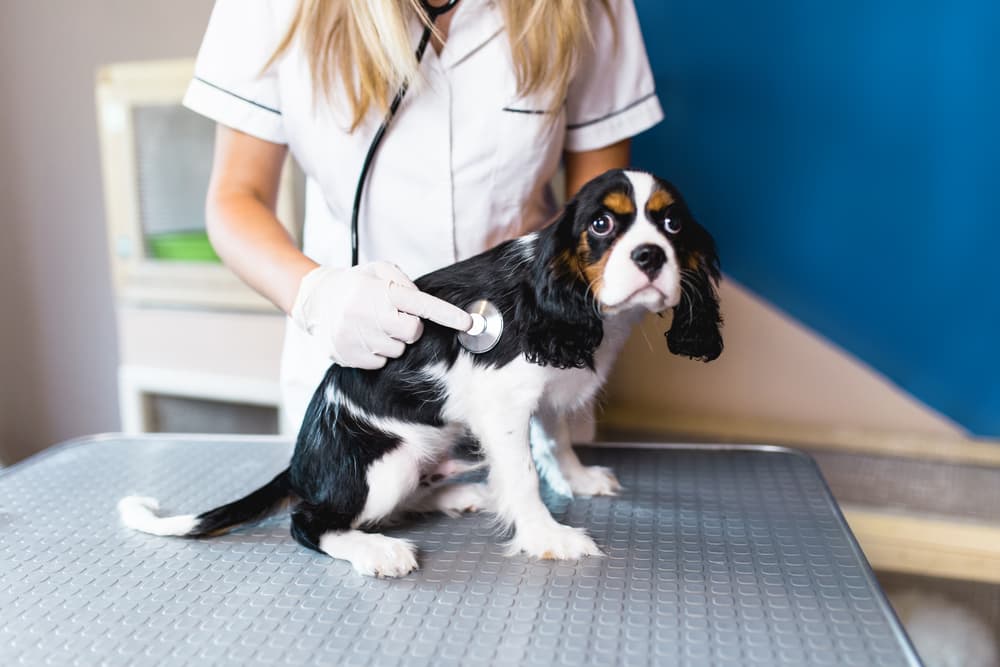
[[562, 326], [696, 329]]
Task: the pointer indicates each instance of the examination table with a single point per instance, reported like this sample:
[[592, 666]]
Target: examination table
[[715, 555]]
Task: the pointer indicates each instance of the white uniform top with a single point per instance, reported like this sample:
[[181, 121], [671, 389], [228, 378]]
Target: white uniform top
[[464, 165]]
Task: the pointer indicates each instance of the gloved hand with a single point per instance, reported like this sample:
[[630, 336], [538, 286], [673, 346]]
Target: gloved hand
[[367, 314]]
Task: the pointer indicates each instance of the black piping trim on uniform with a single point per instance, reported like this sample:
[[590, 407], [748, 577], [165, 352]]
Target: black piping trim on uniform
[[639, 101], [535, 112], [239, 97], [529, 111]]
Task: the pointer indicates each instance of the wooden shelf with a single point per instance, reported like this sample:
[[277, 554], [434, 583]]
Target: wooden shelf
[[928, 546]]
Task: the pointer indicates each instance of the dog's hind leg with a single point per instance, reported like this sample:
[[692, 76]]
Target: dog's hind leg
[[451, 498], [388, 482], [370, 554], [324, 529], [440, 490]]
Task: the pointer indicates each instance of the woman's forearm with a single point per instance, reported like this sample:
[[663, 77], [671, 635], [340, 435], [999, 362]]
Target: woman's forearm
[[250, 240], [241, 220]]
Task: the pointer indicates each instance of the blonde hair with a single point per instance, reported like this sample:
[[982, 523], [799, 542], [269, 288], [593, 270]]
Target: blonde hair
[[365, 46]]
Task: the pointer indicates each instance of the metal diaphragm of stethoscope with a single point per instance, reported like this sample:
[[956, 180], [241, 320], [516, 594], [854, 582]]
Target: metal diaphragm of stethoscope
[[487, 325], [487, 322]]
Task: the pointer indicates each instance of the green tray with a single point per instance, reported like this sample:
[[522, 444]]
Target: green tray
[[182, 246]]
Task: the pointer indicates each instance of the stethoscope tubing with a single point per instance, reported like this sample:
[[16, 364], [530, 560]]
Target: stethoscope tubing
[[432, 13]]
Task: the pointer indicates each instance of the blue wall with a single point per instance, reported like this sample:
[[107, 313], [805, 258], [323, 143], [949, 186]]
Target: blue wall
[[846, 155]]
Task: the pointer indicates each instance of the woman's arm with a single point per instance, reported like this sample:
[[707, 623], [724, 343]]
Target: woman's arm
[[362, 316], [583, 166], [240, 216]]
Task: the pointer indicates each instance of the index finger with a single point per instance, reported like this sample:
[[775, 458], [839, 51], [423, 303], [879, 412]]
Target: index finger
[[428, 307]]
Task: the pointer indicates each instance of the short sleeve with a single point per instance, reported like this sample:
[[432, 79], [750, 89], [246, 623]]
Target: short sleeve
[[230, 85], [613, 95]]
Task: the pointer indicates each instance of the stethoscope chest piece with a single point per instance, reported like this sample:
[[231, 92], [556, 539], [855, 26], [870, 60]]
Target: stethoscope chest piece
[[487, 326]]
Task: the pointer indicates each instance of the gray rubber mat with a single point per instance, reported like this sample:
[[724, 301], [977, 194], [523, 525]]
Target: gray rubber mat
[[714, 557]]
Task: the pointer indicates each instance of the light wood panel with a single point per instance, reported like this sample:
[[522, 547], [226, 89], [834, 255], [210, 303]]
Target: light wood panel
[[929, 546]]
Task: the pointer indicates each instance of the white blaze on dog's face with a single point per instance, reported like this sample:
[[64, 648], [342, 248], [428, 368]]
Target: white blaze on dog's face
[[628, 242]]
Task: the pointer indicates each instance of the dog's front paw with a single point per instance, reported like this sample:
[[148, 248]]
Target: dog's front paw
[[553, 541], [594, 481]]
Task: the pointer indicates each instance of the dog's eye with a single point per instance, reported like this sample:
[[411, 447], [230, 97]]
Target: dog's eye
[[603, 225], [671, 225]]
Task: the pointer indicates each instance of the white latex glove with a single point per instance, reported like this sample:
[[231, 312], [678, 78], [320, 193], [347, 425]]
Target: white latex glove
[[369, 313]]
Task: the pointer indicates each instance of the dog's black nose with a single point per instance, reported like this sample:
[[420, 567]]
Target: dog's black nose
[[649, 258]]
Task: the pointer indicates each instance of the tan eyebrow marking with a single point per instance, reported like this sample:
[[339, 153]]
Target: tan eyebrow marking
[[619, 203], [593, 273], [659, 201]]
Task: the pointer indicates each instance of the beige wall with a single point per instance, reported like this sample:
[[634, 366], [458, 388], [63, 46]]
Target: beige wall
[[57, 333], [774, 371]]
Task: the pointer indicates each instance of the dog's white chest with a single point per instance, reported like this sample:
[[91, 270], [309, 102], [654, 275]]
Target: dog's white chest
[[520, 384], [571, 388]]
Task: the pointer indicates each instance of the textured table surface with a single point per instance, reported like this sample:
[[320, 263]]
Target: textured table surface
[[714, 557]]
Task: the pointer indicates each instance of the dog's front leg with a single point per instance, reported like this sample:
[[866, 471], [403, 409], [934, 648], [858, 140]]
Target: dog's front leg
[[513, 483]]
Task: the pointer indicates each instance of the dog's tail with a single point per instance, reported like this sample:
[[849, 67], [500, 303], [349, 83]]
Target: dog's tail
[[139, 513]]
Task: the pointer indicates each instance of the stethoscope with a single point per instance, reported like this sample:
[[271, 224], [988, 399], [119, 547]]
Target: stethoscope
[[487, 322]]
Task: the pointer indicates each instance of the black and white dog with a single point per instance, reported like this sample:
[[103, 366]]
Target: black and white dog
[[569, 294]]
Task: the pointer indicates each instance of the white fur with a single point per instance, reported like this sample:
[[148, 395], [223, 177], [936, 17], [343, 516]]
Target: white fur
[[497, 403], [371, 554], [474, 390], [547, 539], [396, 475], [447, 468], [452, 499], [643, 185], [390, 480], [139, 513]]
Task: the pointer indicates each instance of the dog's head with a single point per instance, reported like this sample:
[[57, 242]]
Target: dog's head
[[629, 241]]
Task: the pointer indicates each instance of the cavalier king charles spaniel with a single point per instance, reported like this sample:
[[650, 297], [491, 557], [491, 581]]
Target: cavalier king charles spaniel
[[626, 244]]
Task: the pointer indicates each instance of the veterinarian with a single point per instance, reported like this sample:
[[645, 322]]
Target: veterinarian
[[507, 90]]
